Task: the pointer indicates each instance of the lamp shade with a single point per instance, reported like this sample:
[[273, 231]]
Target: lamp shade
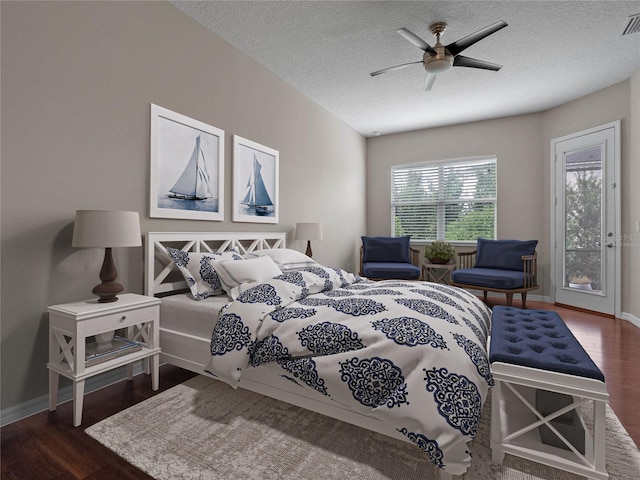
[[106, 228], [308, 231]]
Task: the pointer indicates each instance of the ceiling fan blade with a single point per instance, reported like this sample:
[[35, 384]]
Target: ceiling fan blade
[[416, 40], [428, 82], [462, 61], [391, 69], [459, 45]]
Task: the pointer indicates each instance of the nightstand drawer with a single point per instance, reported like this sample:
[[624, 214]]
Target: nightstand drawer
[[115, 321]]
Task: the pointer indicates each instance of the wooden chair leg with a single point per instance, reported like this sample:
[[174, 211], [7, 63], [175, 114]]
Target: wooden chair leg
[[485, 296], [509, 298], [524, 299]]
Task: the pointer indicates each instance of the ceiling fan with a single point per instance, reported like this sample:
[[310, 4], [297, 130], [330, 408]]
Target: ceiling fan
[[440, 58]]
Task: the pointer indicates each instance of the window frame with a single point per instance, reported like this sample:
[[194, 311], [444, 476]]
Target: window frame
[[441, 203]]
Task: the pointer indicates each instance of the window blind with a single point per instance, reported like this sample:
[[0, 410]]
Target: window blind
[[450, 200]]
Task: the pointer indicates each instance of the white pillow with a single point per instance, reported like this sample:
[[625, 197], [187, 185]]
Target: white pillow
[[201, 277], [285, 258], [235, 273]]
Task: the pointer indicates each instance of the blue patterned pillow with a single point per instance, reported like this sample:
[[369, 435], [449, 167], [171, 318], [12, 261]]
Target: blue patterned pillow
[[196, 268]]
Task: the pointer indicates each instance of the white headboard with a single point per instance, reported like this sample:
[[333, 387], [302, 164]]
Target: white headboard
[[158, 264]]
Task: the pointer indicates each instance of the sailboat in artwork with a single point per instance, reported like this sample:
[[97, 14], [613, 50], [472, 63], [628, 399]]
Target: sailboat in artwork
[[194, 183], [256, 195]]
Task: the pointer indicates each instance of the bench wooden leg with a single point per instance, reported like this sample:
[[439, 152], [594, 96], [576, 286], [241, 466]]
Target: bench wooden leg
[[485, 296], [509, 298], [524, 299]]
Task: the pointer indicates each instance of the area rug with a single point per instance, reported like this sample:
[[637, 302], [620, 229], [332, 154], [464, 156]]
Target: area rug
[[205, 430]]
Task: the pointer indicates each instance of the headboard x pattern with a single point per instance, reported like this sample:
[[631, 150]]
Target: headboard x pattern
[[158, 260]]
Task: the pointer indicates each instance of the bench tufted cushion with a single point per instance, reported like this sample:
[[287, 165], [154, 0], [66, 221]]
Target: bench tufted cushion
[[489, 277], [503, 254], [403, 271], [538, 339]]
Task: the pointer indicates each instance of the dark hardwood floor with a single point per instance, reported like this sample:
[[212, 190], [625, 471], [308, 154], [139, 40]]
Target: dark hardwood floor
[[46, 446]]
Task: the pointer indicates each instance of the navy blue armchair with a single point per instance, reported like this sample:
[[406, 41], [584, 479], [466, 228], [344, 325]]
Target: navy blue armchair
[[505, 266], [383, 258]]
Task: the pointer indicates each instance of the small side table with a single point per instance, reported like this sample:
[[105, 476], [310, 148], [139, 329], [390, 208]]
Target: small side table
[[437, 272], [69, 326]]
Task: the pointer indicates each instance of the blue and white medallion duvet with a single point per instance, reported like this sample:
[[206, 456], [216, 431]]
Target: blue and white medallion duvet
[[411, 354]]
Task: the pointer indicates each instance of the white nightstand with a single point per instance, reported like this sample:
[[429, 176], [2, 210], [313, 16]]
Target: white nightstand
[[69, 326]]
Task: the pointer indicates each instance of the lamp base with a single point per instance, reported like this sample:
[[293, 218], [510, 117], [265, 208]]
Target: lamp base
[[309, 253], [107, 291]]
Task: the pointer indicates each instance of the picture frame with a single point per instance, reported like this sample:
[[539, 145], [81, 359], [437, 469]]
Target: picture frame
[[187, 167], [255, 182]]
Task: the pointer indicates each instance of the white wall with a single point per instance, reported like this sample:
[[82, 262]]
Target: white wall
[[631, 205], [77, 81]]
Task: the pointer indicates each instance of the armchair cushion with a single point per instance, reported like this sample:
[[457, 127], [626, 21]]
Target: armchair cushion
[[489, 277], [386, 249], [403, 271], [503, 254]]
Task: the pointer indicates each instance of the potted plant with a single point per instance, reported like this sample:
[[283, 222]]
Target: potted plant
[[439, 252], [580, 281]]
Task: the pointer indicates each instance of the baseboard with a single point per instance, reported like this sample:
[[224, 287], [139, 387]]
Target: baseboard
[[631, 318], [516, 296], [65, 394]]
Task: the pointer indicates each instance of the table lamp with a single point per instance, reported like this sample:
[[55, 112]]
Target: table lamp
[[308, 232], [107, 229]]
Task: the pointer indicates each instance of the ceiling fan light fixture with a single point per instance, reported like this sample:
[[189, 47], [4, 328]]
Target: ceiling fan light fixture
[[437, 66]]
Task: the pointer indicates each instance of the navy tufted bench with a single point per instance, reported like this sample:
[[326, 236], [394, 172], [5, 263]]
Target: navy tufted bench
[[542, 378]]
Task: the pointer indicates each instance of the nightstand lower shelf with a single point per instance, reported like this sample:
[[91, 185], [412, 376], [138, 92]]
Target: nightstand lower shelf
[[55, 370]]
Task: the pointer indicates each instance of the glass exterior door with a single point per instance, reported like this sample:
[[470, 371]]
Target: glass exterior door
[[586, 220]]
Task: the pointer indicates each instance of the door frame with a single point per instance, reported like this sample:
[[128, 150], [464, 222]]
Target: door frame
[[617, 193]]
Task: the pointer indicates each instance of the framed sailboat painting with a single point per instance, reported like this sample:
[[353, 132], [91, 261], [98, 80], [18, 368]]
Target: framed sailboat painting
[[187, 167], [255, 182]]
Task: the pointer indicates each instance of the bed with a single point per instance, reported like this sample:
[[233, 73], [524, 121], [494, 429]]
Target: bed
[[366, 377]]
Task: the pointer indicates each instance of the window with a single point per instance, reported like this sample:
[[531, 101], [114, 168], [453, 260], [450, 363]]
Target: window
[[452, 200]]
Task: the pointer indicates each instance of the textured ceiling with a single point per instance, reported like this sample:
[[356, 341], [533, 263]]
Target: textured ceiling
[[552, 52]]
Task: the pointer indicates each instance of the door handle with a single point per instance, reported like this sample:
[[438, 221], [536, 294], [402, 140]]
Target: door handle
[[609, 245]]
